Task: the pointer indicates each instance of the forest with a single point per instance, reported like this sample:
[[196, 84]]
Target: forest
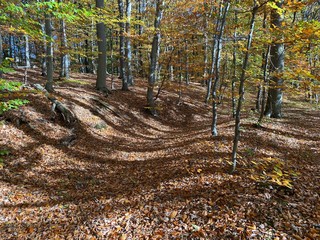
[[160, 119]]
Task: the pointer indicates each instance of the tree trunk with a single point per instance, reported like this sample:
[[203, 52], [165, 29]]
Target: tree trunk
[[241, 90], [154, 55], [206, 44], [276, 67], [122, 50], [12, 48], [261, 87], [234, 62], [64, 59], [92, 62], [66, 113], [128, 43], [43, 54], [142, 9], [49, 53], [28, 64], [213, 54], [102, 55], [214, 130], [265, 84], [187, 75]]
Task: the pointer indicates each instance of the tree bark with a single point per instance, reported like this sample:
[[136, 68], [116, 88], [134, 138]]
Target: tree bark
[[49, 53], [12, 47], [64, 59], [44, 49], [241, 89], [66, 113], [139, 56], [213, 54], [122, 50], [265, 84], [234, 62], [276, 67], [261, 87], [154, 55], [128, 43], [215, 99], [187, 75], [102, 55], [27, 55]]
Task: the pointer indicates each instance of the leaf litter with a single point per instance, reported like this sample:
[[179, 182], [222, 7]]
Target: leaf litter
[[126, 175]]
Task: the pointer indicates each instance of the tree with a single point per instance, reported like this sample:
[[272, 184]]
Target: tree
[[64, 59], [154, 57], [102, 52], [49, 52], [122, 50], [274, 102], [241, 87], [216, 67], [128, 43]]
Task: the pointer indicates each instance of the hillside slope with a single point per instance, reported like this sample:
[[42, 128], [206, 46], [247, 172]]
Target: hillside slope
[[119, 173]]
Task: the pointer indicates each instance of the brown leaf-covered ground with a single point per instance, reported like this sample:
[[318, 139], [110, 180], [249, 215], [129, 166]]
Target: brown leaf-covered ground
[[118, 173]]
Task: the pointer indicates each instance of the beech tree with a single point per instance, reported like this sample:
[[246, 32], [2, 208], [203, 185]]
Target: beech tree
[[274, 103], [49, 52], [102, 52], [122, 47], [64, 59], [241, 87], [217, 48], [154, 57]]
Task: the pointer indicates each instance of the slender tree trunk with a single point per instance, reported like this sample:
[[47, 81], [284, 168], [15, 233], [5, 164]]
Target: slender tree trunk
[[276, 67], [111, 59], [86, 58], [43, 59], [206, 44], [180, 74], [187, 75], [64, 59], [234, 62], [128, 44], [261, 87], [213, 54], [12, 47], [154, 57], [265, 84], [241, 89], [215, 99], [205, 60], [28, 64], [93, 64], [141, 11], [102, 55], [49, 53], [171, 72], [122, 50]]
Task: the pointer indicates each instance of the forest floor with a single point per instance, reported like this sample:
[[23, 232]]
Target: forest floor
[[118, 173]]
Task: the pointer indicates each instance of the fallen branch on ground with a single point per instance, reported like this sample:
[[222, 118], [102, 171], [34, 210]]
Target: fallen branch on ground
[[107, 106], [66, 113]]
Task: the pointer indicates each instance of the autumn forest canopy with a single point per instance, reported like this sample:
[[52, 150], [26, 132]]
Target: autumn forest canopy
[[161, 119]]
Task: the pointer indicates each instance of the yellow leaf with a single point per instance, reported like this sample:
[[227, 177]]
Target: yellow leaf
[[173, 214], [123, 237]]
